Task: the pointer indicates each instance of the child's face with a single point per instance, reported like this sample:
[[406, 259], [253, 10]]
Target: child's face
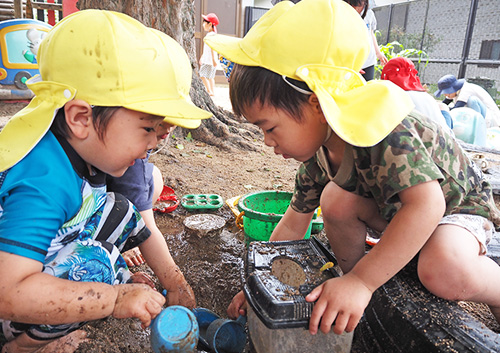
[[451, 95], [128, 136], [288, 137], [207, 26], [163, 130], [359, 9]]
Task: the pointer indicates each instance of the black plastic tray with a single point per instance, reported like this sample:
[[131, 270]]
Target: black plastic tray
[[277, 304]]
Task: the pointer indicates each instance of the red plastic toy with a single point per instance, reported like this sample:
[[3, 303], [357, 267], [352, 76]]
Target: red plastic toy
[[167, 202]]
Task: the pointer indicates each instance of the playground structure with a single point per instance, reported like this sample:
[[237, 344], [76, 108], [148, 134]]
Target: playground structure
[[19, 41]]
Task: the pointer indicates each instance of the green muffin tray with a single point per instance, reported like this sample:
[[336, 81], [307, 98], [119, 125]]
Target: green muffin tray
[[202, 201]]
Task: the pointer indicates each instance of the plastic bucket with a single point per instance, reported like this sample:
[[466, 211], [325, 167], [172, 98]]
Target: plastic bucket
[[175, 329], [262, 212]]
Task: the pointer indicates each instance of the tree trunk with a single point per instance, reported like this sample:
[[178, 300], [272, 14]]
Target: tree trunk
[[176, 18]]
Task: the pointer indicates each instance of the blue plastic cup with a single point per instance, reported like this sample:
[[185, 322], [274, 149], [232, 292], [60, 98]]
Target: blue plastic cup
[[175, 329], [227, 336], [204, 317]]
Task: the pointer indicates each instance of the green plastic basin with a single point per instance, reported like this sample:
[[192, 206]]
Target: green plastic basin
[[263, 210]]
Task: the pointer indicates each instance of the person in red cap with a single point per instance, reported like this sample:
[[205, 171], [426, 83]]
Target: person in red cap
[[208, 59], [402, 72]]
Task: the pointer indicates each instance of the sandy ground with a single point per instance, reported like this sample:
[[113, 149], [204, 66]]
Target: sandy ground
[[211, 265]]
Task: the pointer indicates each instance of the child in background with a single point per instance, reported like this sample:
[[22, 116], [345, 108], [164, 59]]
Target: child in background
[[402, 72], [95, 111], [208, 59], [142, 184], [367, 160]]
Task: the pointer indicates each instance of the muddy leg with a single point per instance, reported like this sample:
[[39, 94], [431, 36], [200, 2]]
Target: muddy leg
[[66, 344]]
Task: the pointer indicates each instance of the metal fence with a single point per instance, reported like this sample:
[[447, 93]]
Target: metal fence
[[460, 37]]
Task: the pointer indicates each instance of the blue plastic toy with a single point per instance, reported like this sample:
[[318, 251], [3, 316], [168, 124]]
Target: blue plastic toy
[[220, 335], [174, 330], [19, 42]]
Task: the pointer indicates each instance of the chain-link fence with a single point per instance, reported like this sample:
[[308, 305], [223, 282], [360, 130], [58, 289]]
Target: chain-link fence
[[460, 37]]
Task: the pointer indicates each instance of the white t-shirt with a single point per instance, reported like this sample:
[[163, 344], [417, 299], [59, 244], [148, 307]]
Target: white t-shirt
[[206, 56], [427, 105], [371, 25], [470, 89]]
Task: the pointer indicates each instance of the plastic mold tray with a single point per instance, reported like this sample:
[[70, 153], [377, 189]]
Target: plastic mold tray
[[277, 304], [201, 201]]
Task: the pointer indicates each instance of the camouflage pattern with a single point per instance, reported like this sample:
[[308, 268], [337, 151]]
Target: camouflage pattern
[[416, 151]]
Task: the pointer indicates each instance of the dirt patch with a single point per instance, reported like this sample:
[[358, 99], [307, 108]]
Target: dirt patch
[[211, 264]]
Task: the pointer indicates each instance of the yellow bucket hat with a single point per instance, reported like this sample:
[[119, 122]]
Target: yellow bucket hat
[[106, 59], [323, 43]]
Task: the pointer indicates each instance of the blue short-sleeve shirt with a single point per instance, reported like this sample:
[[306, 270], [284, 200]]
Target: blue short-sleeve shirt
[[38, 195]]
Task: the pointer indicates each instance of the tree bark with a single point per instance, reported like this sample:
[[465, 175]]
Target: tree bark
[[176, 18]]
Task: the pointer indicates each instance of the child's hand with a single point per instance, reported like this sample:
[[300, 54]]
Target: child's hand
[[139, 301], [238, 306], [341, 300], [182, 294]]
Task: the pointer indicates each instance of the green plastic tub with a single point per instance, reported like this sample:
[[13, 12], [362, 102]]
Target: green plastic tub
[[263, 210]]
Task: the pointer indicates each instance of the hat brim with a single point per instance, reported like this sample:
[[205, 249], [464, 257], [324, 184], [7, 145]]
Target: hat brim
[[24, 130], [230, 48], [457, 85], [353, 123], [177, 112]]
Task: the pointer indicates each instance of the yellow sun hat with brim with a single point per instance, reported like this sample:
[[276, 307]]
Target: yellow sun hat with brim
[[106, 59], [323, 43]]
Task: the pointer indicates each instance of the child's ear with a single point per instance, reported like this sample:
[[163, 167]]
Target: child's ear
[[316, 106], [78, 117]]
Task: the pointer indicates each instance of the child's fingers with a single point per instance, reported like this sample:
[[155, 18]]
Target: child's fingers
[[318, 311], [144, 278], [341, 322], [353, 322], [153, 308], [238, 304], [315, 293]]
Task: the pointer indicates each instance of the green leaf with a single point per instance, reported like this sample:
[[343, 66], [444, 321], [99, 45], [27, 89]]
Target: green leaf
[[179, 146], [189, 137]]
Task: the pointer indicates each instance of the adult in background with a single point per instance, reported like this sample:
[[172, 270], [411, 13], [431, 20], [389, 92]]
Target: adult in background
[[368, 69], [465, 94]]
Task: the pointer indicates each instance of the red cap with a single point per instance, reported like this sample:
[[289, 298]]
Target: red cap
[[402, 72], [212, 18]]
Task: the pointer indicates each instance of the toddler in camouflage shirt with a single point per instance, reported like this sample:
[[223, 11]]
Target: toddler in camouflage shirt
[[369, 160]]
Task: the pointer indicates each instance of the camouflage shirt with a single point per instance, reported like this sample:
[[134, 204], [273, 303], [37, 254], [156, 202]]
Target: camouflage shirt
[[416, 151]]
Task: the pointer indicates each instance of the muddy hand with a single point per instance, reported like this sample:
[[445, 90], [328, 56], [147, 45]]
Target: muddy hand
[[182, 295], [139, 301], [142, 277]]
